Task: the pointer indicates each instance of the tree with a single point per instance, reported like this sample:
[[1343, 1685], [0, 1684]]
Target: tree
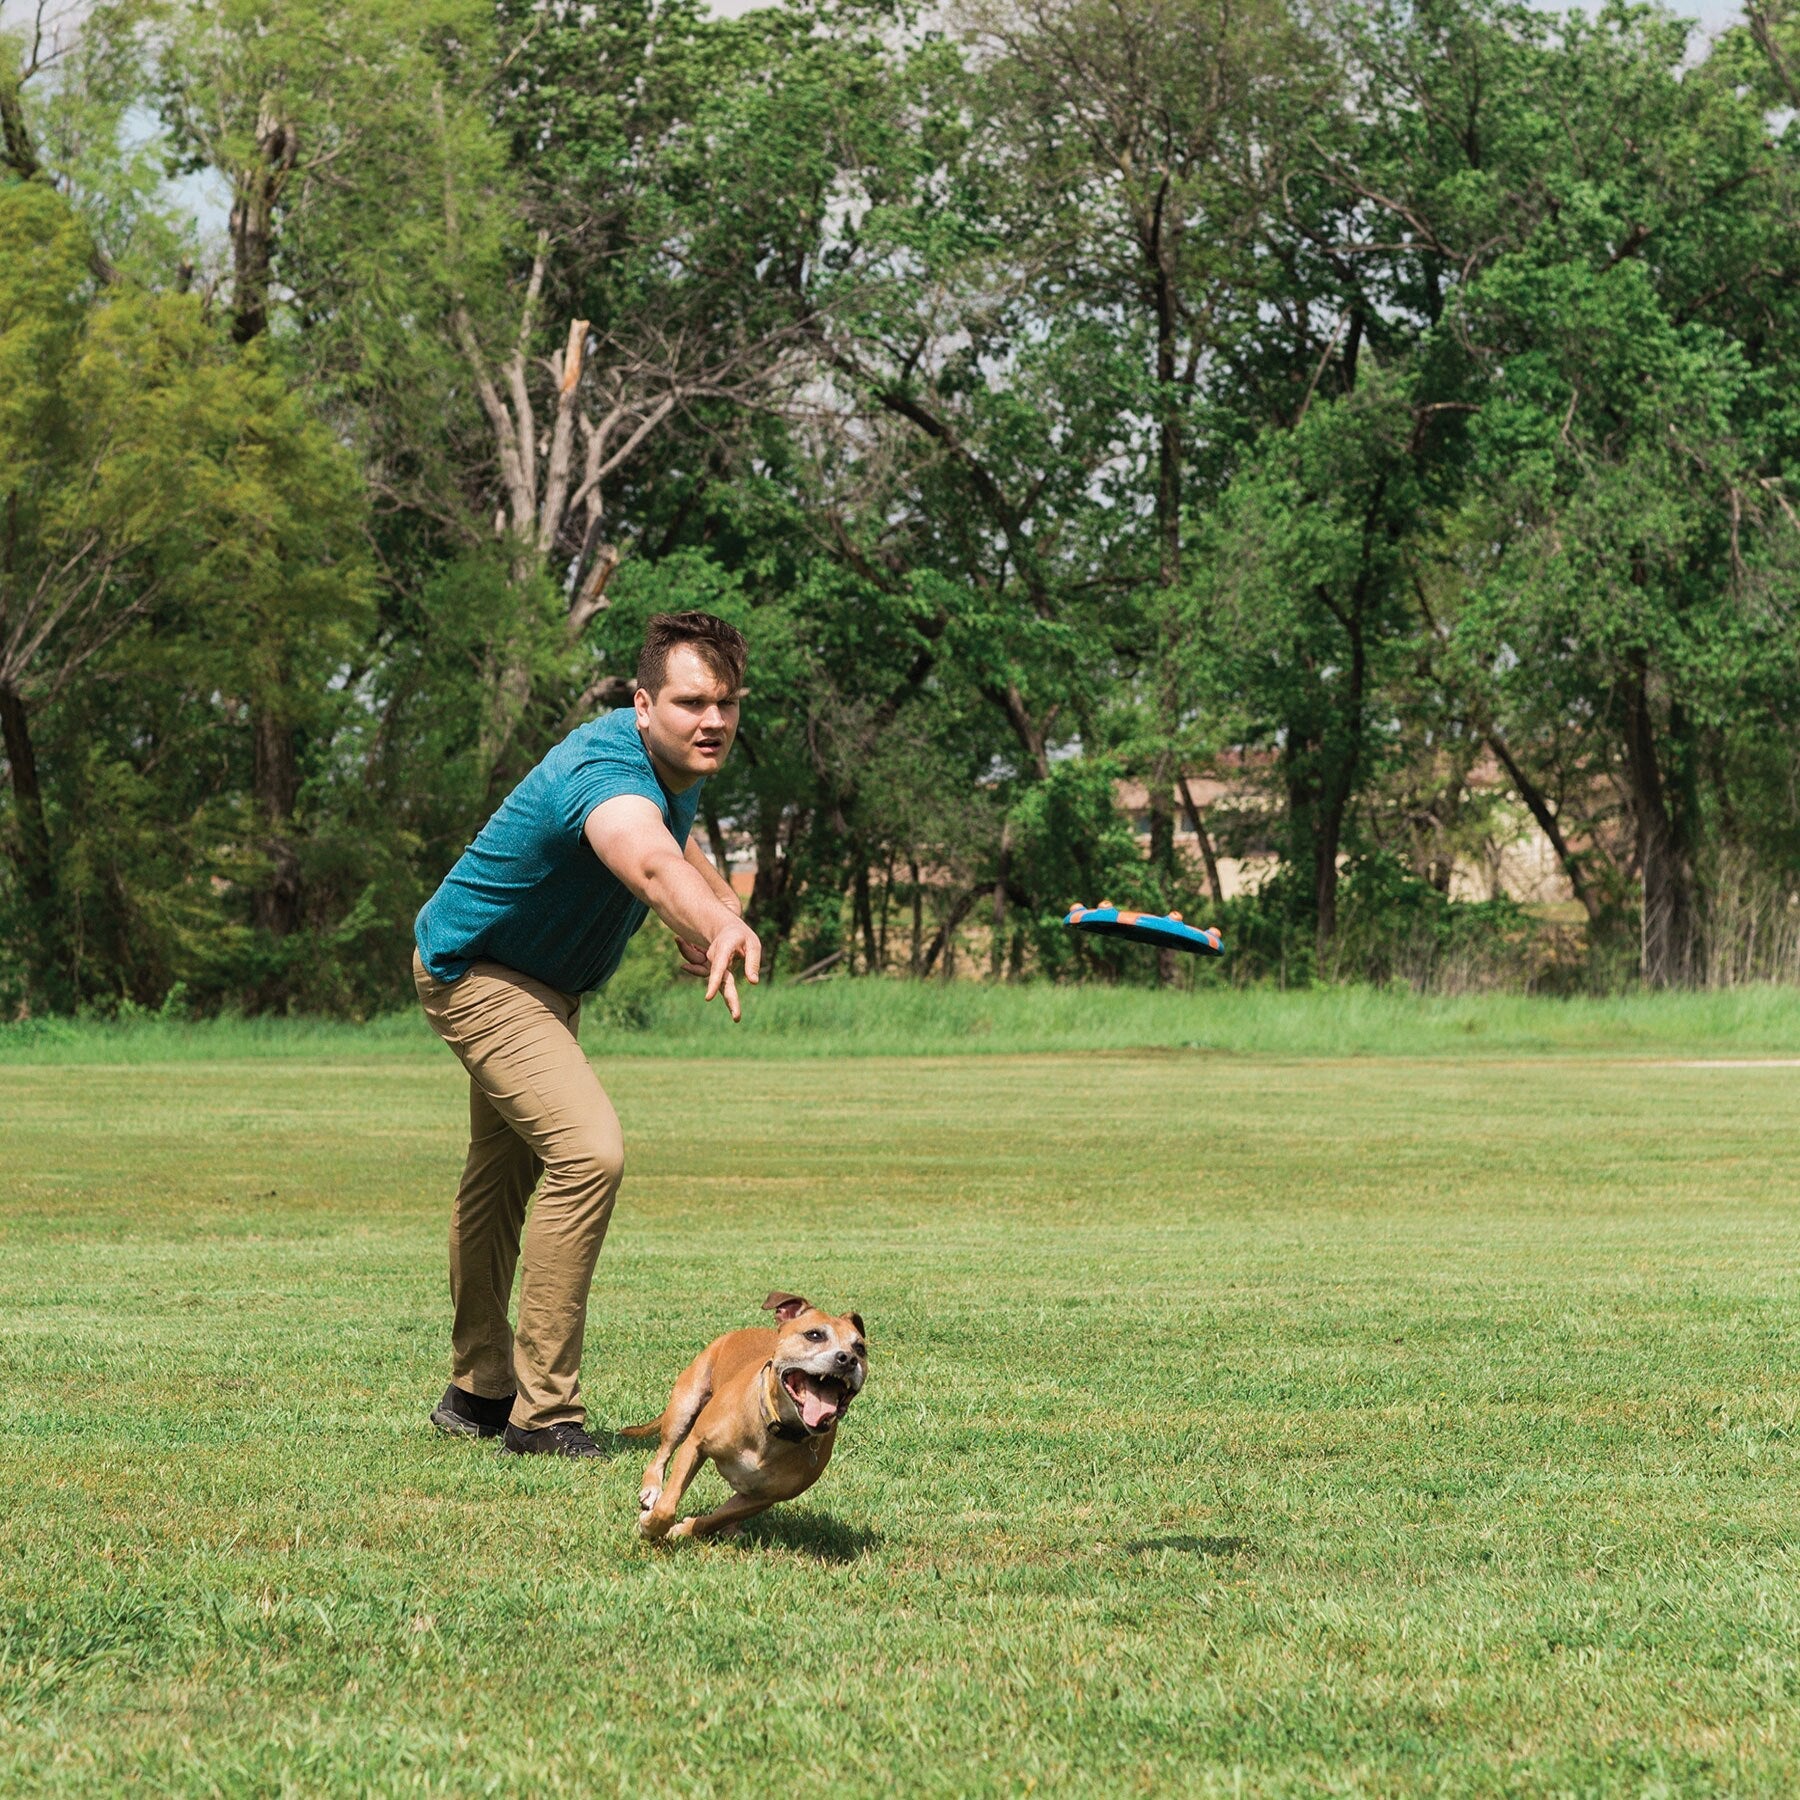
[[1054, 393], [1620, 300], [154, 481], [1306, 602], [1146, 145], [60, 598]]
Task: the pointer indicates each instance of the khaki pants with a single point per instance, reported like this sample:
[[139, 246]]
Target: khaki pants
[[534, 1106]]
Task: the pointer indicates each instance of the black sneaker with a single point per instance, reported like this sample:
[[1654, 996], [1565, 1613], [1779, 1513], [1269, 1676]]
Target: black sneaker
[[553, 1440], [468, 1415]]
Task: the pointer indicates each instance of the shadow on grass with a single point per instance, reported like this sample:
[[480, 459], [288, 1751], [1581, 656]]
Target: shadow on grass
[[812, 1534], [1191, 1546], [611, 1445], [616, 1443]]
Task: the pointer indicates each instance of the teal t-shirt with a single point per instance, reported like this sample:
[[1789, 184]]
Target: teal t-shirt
[[530, 892]]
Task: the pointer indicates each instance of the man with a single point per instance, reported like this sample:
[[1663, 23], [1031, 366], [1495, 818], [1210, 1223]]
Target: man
[[536, 913]]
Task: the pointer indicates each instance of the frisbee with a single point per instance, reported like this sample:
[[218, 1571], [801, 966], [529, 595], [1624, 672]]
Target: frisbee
[[1165, 930]]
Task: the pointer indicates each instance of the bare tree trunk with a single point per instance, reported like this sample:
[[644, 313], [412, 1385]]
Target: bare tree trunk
[[276, 782], [887, 900], [1002, 871], [765, 889], [864, 914], [940, 943], [715, 838], [771, 908], [545, 486], [256, 193], [918, 914], [1330, 834], [275, 786], [1668, 902], [1300, 758], [1030, 734], [1204, 839], [1538, 806], [1162, 851], [1329, 822], [1161, 250], [1328, 837]]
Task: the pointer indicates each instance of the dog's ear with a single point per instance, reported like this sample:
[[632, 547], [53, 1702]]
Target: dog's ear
[[861, 1329], [785, 1306]]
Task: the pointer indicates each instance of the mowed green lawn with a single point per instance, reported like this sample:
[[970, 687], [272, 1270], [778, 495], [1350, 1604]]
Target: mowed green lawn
[[1234, 1426]]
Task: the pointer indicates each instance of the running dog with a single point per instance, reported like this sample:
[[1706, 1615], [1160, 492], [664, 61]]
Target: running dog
[[763, 1406]]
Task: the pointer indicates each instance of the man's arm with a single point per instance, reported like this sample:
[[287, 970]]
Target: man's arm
[[627, 833]]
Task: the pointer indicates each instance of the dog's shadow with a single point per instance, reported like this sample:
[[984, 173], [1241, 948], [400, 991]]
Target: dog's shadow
[[815, 1534], [1189, 1546]]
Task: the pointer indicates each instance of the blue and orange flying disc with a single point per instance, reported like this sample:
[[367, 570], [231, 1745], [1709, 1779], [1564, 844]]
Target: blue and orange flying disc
[[1165, 930]]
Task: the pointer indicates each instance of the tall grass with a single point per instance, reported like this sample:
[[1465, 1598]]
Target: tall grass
[[898, 1018], [1752, 929]]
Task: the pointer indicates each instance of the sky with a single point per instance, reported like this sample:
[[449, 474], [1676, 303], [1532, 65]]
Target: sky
[[1714, 15]]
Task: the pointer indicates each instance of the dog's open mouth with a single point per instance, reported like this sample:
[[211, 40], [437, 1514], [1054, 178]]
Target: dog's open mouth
[[822, 1399]]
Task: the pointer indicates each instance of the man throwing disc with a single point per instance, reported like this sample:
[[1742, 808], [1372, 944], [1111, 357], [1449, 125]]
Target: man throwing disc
[[536, 913]]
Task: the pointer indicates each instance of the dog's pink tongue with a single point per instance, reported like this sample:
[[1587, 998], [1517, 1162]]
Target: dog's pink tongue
[[815, 1409]]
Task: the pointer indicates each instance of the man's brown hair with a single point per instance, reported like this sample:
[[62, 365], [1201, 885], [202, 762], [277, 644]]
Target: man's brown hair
[[721, 648]]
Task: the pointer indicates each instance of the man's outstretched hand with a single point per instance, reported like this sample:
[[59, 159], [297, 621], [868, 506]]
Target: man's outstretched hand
[[713, 963]]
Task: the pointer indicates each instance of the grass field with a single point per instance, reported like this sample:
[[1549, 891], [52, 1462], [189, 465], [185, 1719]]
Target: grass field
[[1378, 1425]]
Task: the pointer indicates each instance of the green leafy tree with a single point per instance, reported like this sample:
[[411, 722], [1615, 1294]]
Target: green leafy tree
[[1601, 230], [1307, 605], [160, 491]]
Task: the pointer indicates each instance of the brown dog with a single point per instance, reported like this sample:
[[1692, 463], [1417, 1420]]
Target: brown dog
[[763, 1407]]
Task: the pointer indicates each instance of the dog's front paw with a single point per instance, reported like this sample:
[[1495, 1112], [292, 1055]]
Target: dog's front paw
[[648, 1497], [653, 1526]]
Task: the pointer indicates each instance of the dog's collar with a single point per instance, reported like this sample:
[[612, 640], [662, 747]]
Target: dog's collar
[[776, 1425]]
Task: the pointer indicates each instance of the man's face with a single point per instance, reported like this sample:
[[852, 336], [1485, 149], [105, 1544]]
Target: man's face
[[688, 725]]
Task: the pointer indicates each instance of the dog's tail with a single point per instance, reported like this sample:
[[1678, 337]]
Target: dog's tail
[[653, 1429]]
